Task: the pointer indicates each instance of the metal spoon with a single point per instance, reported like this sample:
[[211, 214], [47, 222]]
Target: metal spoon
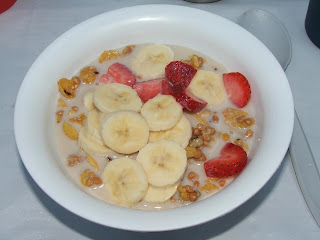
[[274, 35]]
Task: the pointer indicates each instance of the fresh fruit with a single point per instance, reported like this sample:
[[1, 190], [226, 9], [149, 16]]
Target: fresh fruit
[[183, 96], [164, 162], [180, 133], [88, 100], [160, 194], [190, 102], [179, 73], [166, 87], [150, 61], [125, 131], [118, 73], [115, 96], [208, 86], [231, 162], [125, 181], [90, 144], [148, 89], [238, 88], [161, 112], [93, 124]]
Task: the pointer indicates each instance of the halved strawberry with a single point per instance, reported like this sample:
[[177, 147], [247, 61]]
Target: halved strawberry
[[238, 88], [118, 73], [231, 162], [179, 73], [189, 101], [148, 89]]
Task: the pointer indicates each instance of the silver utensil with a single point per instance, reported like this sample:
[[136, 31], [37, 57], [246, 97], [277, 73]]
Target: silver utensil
[[269, 30]]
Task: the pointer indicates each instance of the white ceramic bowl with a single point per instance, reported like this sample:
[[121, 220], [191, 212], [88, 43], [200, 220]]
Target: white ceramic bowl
[[215, 36]]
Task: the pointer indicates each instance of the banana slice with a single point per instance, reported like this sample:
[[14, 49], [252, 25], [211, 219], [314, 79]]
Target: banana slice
[[88, 100], [125, 131], [161, 112], [125, 181], [180, 133], [209, 87], [93, 124], [164, 162], [89, 144], [150, 61], [115, 97], [161, 194]]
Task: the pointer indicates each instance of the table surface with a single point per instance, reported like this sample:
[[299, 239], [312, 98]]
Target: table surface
[[277, 211]]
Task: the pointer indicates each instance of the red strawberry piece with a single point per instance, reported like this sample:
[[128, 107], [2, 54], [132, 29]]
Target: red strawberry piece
[[106, 78], [148, 89], [119, 73], [231, 162], [179, 73], [238, 88], [183, 96], [166, 87], [189, 101]]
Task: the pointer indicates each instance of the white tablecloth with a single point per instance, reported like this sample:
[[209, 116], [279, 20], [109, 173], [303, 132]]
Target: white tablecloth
[[277, 211]]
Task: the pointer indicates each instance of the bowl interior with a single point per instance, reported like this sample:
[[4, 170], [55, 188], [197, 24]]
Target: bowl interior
[[215, 36]]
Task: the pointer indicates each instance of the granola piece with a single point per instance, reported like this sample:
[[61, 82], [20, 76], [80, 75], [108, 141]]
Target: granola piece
[[70, 131], [62, 103], [194, 61], [67, 88], [108, 54], [208, 187], [74, 159], [191, 151], [237, 118], [242, 143], [89, 178], [59, 118], [212, 179], [79, 120], [127, 49], [93, 162], [88, 74]]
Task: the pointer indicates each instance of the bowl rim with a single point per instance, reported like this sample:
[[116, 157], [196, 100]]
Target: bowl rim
[[118, 213]]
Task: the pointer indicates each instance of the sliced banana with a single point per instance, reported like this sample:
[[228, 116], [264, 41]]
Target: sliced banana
[[161, 112], [88, 100], [161, 194], [164, 162], [208, 86], [125, 131], [125, 181], [180, 133], [89, 144], [93, 124], [113, 97], [150, 61]]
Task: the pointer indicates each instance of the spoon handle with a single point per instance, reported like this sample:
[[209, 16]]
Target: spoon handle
[[305, 168]]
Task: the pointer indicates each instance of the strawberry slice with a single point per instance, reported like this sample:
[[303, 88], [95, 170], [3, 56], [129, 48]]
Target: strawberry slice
[[118, 73], [179, 73], [148, 89], [186, 99], [166, 87], [189, 101], [231, 162], [238, 88]]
